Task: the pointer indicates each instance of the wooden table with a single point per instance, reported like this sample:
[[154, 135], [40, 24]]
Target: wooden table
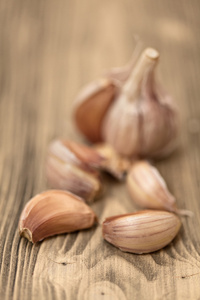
[[49, 50]]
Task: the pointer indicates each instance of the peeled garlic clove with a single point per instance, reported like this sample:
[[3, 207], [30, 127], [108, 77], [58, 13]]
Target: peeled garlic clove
[[67, 170], [54, 212], [148, 189], [113, 163], [141, 232], [91, 105], [139, 122]]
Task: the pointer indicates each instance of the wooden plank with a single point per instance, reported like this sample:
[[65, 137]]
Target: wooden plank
[[48, 50]]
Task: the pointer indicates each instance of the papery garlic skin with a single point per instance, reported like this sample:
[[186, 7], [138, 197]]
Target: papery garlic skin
[[73, 179], [141, 232], [54, 212], [113, 163], [148, 189], [76, 167], [121, 128], [91, 105], [159, 128], [138, 123], [76, 153], [71, 166]]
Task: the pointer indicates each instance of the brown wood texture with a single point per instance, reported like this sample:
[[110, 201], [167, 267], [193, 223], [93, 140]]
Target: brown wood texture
[[48, 51]]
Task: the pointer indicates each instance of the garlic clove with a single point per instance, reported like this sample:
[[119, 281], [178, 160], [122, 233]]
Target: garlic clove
[[148, 189], [139, 123], [54, 212], [91, 106], [159, 129], [74, 167], [75, 153], [141, 232], [63, 174], [113, 163]]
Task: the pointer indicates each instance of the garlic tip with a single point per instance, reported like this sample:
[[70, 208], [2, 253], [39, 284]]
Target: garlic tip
[[152, 53]]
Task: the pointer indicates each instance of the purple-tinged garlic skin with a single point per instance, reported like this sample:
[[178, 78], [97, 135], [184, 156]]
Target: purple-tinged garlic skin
[[76, 167], [141, 232], [141, 122], [148, 189], [54, 212], [76, 153], [73, 179], [72, 166]]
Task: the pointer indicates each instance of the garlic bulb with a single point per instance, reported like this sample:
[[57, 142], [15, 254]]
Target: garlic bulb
[[130, 111], [141, 121]]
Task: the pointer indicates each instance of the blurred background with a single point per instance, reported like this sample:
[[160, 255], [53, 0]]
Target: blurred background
[[48, 51]]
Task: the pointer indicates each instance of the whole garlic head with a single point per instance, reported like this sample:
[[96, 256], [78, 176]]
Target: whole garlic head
[[129, 110], [141, 121]]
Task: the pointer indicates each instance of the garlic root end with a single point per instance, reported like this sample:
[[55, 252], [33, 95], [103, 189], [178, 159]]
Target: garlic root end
[[25, 232]]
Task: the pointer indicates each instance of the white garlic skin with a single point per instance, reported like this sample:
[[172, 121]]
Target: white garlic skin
[[141, 121]]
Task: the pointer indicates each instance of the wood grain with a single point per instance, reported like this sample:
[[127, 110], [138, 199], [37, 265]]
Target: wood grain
[[48, 50]]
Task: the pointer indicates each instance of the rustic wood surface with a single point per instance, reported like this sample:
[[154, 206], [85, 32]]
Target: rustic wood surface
[[48, 50]]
